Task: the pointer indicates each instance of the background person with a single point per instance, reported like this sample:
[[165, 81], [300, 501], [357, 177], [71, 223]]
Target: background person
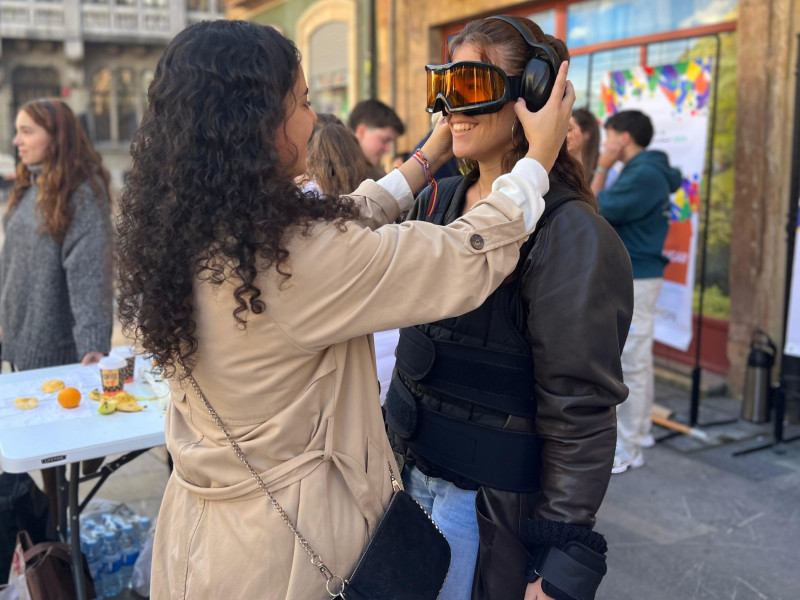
[[55, 267], [268, 296], [377, 127], [504, 416], [335, 164], [583, 141], [637, 206]]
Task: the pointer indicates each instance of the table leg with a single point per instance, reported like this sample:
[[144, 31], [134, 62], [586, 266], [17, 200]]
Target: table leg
[[61, 502], [75, 531]]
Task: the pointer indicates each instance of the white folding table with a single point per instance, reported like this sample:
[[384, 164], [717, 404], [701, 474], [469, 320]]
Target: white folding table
[[52, 436]]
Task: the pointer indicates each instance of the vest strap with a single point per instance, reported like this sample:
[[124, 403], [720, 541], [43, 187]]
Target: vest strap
[[497, 458], [498, 380]]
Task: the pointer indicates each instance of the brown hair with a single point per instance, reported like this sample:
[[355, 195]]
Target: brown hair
[[335, 160], [496, 40], [69, 161], [588, 124]]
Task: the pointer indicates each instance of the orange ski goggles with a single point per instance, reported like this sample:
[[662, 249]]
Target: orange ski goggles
[[468, 87]]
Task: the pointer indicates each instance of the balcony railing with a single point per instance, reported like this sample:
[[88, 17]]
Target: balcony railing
[[101, 19], [19, 16], [45, 20]]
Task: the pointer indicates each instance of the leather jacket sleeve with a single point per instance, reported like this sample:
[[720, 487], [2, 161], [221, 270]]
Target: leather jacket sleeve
[[577, 284]]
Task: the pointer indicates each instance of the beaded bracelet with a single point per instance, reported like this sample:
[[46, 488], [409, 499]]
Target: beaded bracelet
[[426, 167], [600, 169]]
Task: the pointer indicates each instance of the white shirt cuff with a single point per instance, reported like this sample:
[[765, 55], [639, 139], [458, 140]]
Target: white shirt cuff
[[525, 186], [395, 183]]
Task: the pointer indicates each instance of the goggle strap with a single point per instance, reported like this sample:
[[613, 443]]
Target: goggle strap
[[514, 87]]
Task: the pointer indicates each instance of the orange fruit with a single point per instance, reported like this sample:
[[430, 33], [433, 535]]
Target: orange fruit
[[69, 397]]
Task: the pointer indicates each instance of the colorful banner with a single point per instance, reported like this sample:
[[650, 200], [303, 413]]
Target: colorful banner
[[676, 98], [793, 322]]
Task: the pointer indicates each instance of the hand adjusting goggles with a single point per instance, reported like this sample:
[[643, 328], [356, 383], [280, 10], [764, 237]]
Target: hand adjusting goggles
[[472, 88]]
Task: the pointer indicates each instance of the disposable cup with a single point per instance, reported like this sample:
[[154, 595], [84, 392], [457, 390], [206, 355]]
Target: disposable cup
[[127, 353], [111, 372]]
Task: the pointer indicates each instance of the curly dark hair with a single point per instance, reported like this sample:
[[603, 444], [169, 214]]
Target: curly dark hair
[[495, 39], [208, 197]]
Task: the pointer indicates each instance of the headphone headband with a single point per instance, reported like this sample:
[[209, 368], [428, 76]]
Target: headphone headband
[[516, 23]]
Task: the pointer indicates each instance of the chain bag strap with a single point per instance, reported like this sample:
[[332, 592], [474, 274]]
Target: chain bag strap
[[407, 557], [334, 584]]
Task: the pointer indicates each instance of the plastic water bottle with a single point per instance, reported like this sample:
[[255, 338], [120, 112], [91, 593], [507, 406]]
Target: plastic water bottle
[[112, 565], [129, 547], [95, 560], [144, 530]]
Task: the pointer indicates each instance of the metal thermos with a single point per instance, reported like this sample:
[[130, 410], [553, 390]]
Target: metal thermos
[[758, 382]]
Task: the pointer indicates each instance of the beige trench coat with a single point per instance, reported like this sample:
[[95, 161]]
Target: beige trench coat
[[298, 389]]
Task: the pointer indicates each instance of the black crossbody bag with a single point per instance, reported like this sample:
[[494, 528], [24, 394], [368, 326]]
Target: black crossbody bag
[[407, 557]]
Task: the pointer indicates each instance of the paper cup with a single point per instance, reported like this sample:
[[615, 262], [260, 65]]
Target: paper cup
[[126, 353], [111, 372]]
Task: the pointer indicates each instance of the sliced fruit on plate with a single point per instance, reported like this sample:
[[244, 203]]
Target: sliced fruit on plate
[[129, 405], [107, 407], [26, 403], [52, 385]]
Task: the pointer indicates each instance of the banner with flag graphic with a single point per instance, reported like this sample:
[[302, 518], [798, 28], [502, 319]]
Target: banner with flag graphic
[[676, 98]]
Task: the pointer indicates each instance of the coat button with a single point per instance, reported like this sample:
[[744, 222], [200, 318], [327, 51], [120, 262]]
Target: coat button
[[476, 241]]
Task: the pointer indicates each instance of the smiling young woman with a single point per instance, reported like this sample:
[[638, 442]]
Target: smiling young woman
[[505, 415]]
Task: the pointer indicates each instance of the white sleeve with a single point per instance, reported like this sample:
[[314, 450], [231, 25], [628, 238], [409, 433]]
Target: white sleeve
[[525, 186], [395, 183]]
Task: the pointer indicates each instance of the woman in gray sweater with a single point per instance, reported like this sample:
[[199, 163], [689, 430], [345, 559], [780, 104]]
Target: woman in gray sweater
[[55, 267]]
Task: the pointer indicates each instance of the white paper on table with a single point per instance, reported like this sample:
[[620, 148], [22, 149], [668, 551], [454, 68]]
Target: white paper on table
[[85, 379]]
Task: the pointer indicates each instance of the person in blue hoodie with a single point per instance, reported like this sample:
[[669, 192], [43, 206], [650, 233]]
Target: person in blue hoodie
[[637, 206]]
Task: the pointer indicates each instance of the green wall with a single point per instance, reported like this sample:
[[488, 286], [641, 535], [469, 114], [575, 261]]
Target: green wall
[[286, 14]]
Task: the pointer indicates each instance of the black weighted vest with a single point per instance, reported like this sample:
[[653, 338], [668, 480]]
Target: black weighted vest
[[462, 398]]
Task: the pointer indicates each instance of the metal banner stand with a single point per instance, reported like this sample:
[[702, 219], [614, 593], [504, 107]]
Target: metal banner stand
[[694, 404]]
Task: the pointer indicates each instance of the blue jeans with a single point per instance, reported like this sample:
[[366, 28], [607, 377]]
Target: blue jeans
[[453, 509]]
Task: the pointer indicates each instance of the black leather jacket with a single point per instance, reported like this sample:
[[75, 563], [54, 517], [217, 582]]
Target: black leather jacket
[[577, 289]]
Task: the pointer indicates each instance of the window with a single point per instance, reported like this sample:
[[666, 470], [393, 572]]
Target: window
[[197, 5], [147, 79], [545, 19], [579, 75], [118, 96], [328, 68], [126, 104], [101, 105], [664, 53], [30, 83], [596, 21], [601, 63]]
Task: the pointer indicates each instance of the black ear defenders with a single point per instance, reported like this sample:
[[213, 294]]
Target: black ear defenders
[[539, 75]]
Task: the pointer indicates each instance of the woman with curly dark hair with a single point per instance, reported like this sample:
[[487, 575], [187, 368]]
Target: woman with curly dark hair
[[260, 299], [513, 432]]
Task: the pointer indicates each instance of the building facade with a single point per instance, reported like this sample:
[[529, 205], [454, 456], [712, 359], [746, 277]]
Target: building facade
[[755, 42], [337, 39], [99, 56]]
